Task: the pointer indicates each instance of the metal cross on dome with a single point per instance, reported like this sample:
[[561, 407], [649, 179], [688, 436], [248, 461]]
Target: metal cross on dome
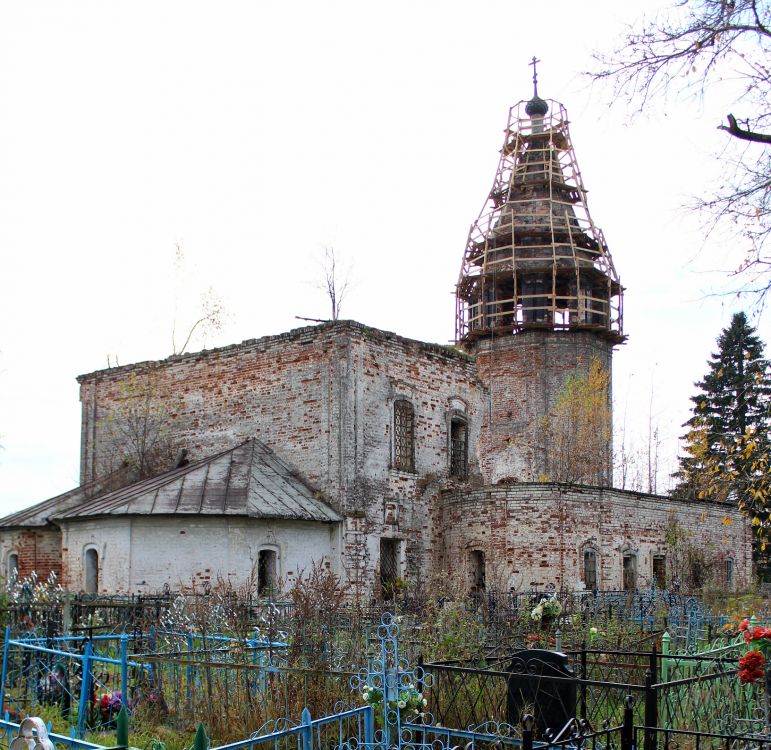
[[535, 62]]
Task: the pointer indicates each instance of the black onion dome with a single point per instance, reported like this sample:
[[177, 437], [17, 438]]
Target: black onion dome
[[536, 107]]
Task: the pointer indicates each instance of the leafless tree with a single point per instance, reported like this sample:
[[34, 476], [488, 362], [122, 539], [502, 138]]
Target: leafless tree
[[135, 430], [209, 317], [687, 50], [334, 282]]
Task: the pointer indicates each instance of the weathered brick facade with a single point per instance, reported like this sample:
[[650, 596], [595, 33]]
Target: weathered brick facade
[[323, 398], [435, 458], [524, 375], [535, 534]]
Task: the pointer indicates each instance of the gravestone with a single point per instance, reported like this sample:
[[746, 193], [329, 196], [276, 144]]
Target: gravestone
[[543, 684]]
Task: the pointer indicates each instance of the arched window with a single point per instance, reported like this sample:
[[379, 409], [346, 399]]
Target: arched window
[[590, 568], [660, 571], [267, 572], [728, 572], [458, 447], [404, 435], [13, 566], [630, 571], [477, 572], [91, 571]]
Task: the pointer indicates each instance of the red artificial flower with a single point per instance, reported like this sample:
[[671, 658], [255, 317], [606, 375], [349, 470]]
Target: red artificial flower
[[747, 676], [744, 625], [751, 667], [752, 660]]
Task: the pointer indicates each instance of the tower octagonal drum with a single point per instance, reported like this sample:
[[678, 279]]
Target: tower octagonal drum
[[534, 258]]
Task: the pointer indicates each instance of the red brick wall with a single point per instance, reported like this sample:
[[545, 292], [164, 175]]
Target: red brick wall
[[39, 550], [322, 398], [535, 533], [524, 374]]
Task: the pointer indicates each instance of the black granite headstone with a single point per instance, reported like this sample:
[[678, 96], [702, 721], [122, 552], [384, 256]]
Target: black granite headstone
[[541, 683]]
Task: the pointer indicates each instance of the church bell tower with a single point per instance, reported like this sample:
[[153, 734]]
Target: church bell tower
[[538, 298]]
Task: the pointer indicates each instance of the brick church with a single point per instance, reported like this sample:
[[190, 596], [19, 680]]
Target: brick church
[[394, 462]]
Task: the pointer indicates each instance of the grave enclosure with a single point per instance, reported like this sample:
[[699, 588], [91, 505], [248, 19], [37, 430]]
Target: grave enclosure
[[583, 697]]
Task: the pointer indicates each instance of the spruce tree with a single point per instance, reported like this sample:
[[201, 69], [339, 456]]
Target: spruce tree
[[732, 403], [727, 445]]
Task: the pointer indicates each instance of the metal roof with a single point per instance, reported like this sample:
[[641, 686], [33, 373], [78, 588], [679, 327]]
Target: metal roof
[[248, 480], [40, 513]]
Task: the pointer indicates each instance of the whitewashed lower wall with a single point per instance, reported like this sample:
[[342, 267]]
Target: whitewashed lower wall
[[142, 554]]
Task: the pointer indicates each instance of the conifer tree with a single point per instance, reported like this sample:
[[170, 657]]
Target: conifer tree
[[727, 445], [733, 399]]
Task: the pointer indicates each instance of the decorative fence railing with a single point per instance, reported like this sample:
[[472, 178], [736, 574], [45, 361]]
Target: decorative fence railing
[[74, 613], [588, 698], [675, 691], [90, 679]]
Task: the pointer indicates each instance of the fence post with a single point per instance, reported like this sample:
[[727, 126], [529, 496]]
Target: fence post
[[124, 669], [85, 688], [4, 676], [307, 731], [190, 671], [201, 741], [122, 727], [651, 712], [583, 679], [369, 726], [627, 729], [528, 722]]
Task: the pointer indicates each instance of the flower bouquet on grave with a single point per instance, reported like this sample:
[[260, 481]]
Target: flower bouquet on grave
[[408, 704], [752, 666], [540, 640], [546, 611], [109, 705]]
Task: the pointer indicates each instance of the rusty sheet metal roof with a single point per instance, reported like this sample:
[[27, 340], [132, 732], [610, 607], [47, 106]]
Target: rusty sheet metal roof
[[248, 480], [40, 513]]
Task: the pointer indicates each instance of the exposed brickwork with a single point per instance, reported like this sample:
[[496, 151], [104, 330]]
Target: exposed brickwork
[[38, 550], [524, 374], [536, 533], [322, 398]]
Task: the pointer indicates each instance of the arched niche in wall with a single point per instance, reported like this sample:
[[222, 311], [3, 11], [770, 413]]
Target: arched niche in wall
[[12, 565], [91, 570], [268, 569]]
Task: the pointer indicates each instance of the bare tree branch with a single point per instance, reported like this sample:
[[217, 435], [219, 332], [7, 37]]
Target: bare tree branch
[[696, 44], [745, 135]]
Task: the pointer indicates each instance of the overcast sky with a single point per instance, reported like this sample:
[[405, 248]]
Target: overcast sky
[[254, 134]]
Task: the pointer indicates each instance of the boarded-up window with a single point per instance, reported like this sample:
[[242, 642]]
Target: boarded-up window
[[389, 566], [91, 582], [404, 436], [458, 448], [590, 569], [630, 571], [728, 570], [660, 571], [13, 566], [697, 574], [266, 572], [477, 561]]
